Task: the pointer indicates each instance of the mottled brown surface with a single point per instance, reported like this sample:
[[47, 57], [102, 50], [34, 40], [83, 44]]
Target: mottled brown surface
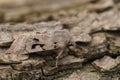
[[59, 40]]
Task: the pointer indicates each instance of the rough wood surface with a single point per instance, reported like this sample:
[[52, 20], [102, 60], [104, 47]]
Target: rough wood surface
[[78, 38]]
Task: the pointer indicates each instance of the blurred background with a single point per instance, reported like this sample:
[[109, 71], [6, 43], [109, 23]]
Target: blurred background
[[25, 10]]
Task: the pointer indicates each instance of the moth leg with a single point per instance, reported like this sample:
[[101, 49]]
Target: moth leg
[[58, 56]]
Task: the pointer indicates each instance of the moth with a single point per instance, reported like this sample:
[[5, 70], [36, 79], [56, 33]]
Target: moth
[[36, 42]]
